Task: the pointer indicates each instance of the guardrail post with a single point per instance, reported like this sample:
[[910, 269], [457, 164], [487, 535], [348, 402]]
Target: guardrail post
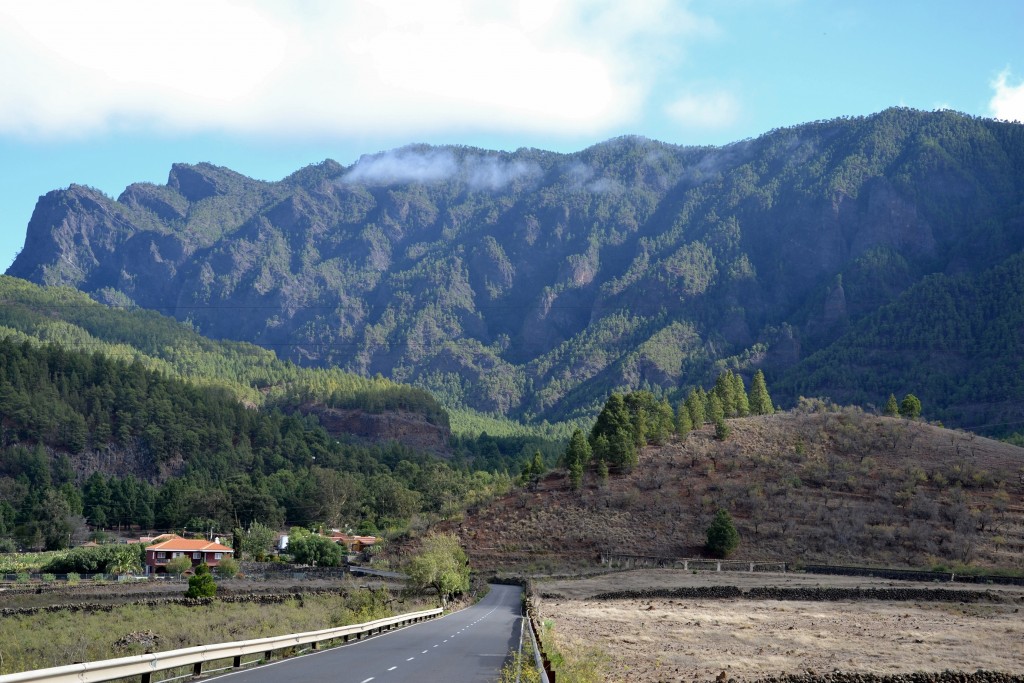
[[267, 655], [197, 669], [237, 661], [147, 677]]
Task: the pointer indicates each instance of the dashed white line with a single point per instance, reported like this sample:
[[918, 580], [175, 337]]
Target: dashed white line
[[425, 652], [410, 659], [392, 668], [368, 680]]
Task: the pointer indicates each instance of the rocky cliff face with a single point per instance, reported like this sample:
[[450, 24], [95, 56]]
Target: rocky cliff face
[[525, 283]]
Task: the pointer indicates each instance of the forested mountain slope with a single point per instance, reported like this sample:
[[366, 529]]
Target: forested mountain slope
[[121, 417], [531, 283]]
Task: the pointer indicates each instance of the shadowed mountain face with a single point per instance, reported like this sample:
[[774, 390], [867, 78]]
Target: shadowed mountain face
[[531, 283]]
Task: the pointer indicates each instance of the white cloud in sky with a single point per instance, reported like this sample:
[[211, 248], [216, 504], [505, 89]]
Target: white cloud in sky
[[335, 67], [1008, 101], [706, 110], [412, 165]]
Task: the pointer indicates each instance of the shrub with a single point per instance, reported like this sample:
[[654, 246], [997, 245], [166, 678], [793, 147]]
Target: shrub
[[316, 550], [228, 568], [722, 535], [202, 584], [73, 578], [177, 566]]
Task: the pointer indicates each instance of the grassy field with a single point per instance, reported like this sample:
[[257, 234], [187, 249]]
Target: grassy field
[[61, 637]]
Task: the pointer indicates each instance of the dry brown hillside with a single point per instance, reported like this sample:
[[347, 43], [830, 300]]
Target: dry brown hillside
[[812, 485]]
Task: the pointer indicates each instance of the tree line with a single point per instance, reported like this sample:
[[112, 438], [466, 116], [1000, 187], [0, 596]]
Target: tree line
[[195, 457], [628, 422]]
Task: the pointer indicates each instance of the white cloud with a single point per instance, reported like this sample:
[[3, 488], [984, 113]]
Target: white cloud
[[1008, 101], [336, 67], [708, 110], [412, 165]]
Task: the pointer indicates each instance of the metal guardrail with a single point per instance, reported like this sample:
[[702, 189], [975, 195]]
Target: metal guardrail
[[147, 665], [538, 659]]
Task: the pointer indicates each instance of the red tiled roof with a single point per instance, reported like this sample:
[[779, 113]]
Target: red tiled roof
[[190, 545]]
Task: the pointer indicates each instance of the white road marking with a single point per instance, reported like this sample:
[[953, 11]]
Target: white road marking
[[368, 680], [425, 652], [410, 659], [392, 668]]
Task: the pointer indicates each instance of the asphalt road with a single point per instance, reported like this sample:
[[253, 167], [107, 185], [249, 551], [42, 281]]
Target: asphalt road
[[465, 647]]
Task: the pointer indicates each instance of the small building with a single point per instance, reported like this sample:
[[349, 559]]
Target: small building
[[199, 551], [353, 544]]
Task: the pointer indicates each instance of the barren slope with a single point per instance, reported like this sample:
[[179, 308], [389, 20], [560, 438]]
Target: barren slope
[[837, 486]]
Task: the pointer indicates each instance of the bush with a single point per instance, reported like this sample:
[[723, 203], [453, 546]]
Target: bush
[[73, 578], [316, 550], [177, 566], [228, 568], [722, 535], [202, 584]]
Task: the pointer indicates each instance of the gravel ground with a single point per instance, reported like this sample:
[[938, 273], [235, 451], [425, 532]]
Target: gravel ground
[[687, 640]]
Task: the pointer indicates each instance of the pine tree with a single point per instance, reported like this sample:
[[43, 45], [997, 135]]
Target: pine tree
[[722, 535], [892, 409], [577, 457], [695, 406], [665, 424], [760, 401], [722, 430], [684, 423], [715, 410], [740, 395], [613, 417], [725, 390]]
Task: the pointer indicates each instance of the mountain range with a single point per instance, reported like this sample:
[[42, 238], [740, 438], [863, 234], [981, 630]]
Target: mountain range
[[851, 258]]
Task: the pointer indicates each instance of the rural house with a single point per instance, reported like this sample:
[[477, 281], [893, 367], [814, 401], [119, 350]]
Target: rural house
[[197, 550]]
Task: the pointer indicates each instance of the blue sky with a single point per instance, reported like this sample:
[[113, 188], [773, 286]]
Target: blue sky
[[112, 92]]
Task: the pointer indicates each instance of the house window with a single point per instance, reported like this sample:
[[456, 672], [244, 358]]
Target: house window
[[176, 554], [217, 556], [197, 556], [161, 555]]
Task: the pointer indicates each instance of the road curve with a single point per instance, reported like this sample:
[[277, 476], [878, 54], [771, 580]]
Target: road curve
[[469, 646]]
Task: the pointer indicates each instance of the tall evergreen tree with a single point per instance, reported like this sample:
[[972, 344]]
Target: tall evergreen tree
[[696, 407], [725, 390], [665, 423], [740, 396], [760, 401], [892, 409], [684, 423], [715, 410], [577, 451]]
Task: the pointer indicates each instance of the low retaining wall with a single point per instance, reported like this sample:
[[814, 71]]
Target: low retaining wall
[[802, 594], [912, 575], [916, 677]]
